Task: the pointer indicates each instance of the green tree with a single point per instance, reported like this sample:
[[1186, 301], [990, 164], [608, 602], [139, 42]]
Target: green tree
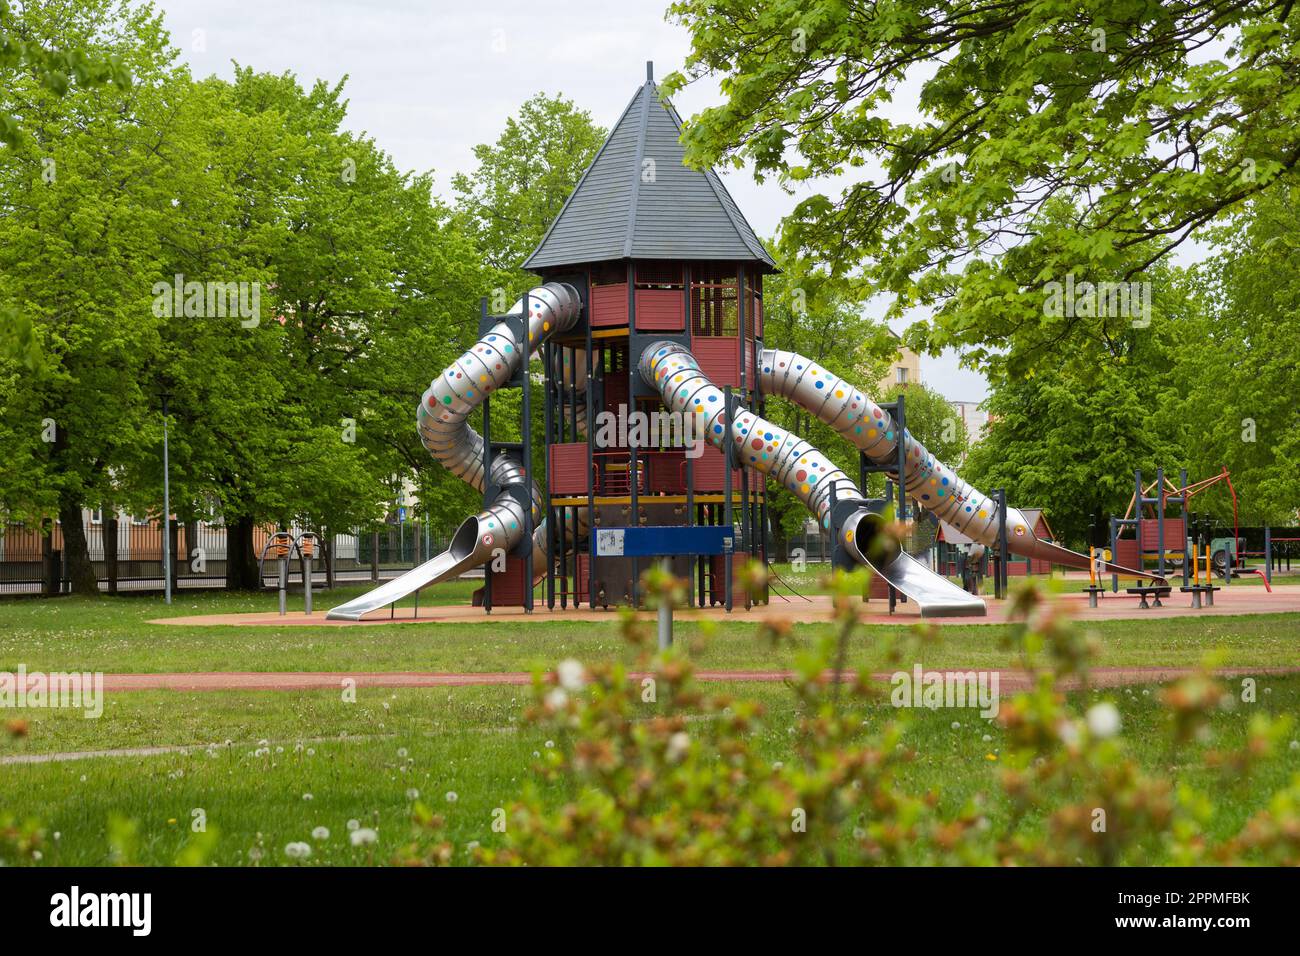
[[1239, 371], [1150, 119], [523, 179], [85, 217]]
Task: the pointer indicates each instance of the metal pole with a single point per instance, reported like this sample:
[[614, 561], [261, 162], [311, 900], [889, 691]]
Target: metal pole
[[1160, 519], [306, 581], [666, 610], [284, 580], [167, 509], [1268, 554]]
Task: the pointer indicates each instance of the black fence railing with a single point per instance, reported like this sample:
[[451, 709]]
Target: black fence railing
[[128, 555]]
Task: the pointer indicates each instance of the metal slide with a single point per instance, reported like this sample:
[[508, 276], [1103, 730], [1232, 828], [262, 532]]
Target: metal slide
[[444, 428], [795, 463], [929, 482]]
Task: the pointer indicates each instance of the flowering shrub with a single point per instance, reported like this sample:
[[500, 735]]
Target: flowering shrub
[[656, 770]]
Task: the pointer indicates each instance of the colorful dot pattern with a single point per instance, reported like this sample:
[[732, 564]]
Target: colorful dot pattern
[[757, 443], [871, 429]]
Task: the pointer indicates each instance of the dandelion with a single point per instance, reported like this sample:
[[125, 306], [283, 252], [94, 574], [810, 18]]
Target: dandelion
[[1103, 720], [402, 752], [1068, 731], [452, 797], [986, 738], [678, 745], [363, 836], [320, 833], [307, 797], [556, 699], [413, 794], [1294, 745], [550, 744], [298, 851], [571, 675], [353, 825], [956, 725]]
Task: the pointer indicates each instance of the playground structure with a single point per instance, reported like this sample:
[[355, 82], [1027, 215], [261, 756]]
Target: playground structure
[[653, 300], [1164, 535]]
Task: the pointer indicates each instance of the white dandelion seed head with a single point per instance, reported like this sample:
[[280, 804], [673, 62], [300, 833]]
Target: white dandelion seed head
[[571, 675], [679, 744], [1103, 720], [363, 836], [320, 833]]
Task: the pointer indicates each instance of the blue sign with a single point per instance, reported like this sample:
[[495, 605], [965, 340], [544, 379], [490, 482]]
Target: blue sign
[[656, 541]]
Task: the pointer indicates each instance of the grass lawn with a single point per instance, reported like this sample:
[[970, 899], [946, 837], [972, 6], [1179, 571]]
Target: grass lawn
[[305, 760], [266, 768], [113, 635]]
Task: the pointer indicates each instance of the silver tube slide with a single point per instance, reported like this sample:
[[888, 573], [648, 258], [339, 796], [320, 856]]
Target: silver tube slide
[[800, 467], [443, 423], [929, 482]]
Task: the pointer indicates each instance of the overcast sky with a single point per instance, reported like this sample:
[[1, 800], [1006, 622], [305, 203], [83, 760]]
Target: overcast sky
[[429, 80]]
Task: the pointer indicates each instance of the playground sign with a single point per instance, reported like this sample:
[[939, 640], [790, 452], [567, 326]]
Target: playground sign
[[657, 540]]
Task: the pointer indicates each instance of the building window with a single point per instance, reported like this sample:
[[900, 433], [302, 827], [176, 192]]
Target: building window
[[96, 515], [902, 375]]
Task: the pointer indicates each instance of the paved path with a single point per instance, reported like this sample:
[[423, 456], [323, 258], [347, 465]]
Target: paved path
[[1241, 599]]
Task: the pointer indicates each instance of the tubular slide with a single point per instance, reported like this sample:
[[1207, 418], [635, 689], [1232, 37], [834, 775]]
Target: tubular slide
[[799, 466], [930, 482], [444, 429]]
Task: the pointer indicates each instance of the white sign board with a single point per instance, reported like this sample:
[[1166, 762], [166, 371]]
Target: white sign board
[[609, 542]]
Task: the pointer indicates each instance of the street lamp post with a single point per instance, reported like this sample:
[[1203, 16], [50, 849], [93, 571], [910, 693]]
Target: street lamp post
[[167, 509]]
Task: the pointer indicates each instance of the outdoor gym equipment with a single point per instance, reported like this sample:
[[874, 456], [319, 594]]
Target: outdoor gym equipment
[[283, 543]]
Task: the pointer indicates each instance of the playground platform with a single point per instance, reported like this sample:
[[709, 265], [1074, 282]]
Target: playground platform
[[1229, 601]]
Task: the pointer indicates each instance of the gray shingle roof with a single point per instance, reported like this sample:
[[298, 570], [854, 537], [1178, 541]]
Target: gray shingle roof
[[669, 212]]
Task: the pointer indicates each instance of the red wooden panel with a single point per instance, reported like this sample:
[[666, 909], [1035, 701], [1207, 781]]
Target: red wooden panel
[[719, 359], [666, 473], [616, 389], [508, 586], [758, 316], [1175, 534], [582, 572], [660, 310], [608, 305], [1126, 552], [709, 471], [719, 573], [567, 468]]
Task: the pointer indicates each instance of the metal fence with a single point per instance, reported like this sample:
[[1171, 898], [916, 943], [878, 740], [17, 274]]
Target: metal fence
[[127, 555]]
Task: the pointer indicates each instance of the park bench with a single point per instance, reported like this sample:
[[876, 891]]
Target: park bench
[[1196, 590], [1094, 591], [1156, 591]]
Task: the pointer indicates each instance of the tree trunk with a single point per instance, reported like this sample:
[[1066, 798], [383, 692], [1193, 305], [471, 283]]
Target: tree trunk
[[327, 544], [76, 553], [241, 561], [110, 551]]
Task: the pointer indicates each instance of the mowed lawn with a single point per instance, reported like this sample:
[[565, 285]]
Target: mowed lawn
[[266, 769], [114, 635]]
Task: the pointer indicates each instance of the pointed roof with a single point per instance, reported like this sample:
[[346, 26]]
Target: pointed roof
[[672, 212]]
